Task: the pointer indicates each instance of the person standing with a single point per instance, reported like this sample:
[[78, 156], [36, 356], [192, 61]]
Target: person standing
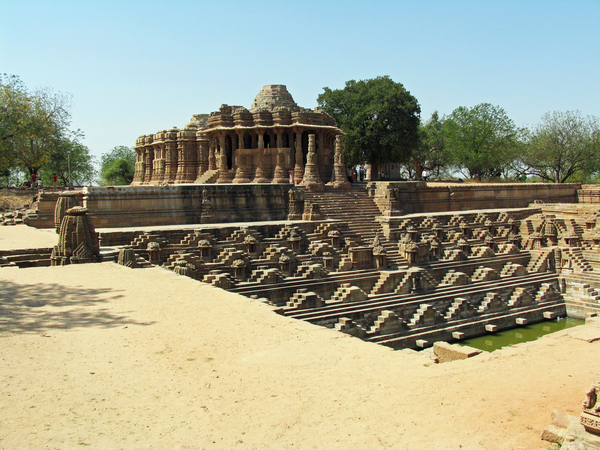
[[424, 175], [54, 180], [33, 180]]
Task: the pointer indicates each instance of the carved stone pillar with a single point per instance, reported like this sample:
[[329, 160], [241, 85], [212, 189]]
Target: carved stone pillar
[[186, 163], [260, 173], [223, 171], [170, 156], [138, 177], [158, 167], [311, 178], [148, 159], [299, 167], [339, 180], [261, 140], [281, 175]]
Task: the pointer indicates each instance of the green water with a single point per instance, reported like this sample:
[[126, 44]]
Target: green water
[[494, 341]]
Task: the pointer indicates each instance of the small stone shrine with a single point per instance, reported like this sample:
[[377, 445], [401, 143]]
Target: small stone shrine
[[78, 241]]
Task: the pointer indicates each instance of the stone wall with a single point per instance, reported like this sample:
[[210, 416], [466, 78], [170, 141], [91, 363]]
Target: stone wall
[[125, 206], [419, 197]]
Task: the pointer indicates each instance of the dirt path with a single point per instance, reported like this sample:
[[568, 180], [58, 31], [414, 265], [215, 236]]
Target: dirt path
[[102, 356]]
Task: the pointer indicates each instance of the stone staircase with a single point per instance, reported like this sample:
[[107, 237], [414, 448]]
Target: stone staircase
[[35, 257], [210, 176], [579, 263], [356, 209]]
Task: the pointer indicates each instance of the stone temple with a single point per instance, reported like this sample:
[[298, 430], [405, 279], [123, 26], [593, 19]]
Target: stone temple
[[239, 145]]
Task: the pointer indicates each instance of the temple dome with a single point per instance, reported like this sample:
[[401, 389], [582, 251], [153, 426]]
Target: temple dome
[[272, 96]]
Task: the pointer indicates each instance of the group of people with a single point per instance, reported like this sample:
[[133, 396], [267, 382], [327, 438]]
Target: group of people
[[355, 175], [36, 183]]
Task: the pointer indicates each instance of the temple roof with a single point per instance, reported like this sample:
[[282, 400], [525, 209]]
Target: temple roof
[[273, 96]]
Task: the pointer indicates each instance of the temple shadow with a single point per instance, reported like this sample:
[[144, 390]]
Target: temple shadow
[[32, 308]]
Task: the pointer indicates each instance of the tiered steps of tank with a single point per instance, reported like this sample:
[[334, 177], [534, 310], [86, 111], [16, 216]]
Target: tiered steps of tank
[[324, 287], [441, 305], [579, 262], [356, 209], [35, 257]]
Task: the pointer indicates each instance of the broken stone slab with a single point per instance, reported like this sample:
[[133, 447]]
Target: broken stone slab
[[566, 430], [556, 430], [446, 352]]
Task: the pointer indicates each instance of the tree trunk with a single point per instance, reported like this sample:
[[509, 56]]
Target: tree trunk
[[418, 169]]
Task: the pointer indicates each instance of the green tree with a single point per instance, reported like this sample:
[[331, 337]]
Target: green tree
[[32, 125], [379, 117], [431, 154], [117, 166], [69, 153], [565, 145], [482, 140], [14, 109]]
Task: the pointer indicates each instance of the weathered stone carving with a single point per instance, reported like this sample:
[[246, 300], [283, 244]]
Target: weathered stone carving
[[295, 205], [312, 211], [153, 250], [207, 215], [65, 201], [590, 416], [127, 258], [78, 241]]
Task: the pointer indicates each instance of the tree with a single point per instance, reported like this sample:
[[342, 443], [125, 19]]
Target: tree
[[481, 140], [563, 145], [431, 154], [379, 117], [14, 108], [69, 156], [32, 125], [117, 166]]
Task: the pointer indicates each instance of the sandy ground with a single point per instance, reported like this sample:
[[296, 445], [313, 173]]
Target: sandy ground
[[22, 236], [106, 357]]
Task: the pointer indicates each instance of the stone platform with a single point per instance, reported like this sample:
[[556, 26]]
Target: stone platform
[[127, 206]]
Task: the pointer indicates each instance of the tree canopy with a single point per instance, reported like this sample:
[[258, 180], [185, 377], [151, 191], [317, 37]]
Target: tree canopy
[[431, 154], [379, 117], [117, 166], [34, 129], [69, 154], [562, 145], [481, 140]]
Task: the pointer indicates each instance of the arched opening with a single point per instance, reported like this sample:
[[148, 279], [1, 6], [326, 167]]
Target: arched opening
[[267, 140], [229, 152]]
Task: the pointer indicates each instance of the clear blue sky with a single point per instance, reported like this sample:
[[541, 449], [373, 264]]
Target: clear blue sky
[[137, 67]]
